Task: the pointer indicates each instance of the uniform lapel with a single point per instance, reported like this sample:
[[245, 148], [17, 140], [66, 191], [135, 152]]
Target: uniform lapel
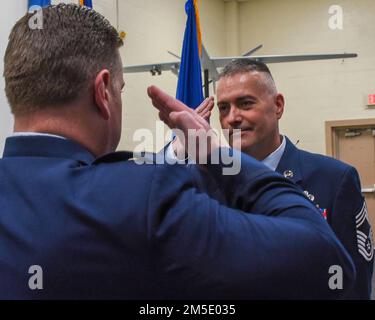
[[289, 165]]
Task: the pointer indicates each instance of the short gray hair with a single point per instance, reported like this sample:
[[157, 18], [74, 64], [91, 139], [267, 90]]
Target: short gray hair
[[249, 65]]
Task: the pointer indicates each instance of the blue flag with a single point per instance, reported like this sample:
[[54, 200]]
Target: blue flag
[[40, 3], [189, 88]]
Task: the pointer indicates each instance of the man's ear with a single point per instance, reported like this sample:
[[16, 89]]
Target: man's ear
[[279, 102], [101, 87]]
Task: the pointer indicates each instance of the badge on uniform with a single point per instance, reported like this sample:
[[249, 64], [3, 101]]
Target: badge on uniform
[[364, 234]]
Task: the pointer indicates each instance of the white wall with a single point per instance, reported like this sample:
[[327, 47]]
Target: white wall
[[152, 28], [10, 12]]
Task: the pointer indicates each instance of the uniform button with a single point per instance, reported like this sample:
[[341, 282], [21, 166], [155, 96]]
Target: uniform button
[[288, 174]]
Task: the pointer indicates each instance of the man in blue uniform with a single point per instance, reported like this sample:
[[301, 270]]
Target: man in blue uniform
[[78, 220], [247, 99]]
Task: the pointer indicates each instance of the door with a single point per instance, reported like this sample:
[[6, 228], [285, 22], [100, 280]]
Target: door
[[353, 142]]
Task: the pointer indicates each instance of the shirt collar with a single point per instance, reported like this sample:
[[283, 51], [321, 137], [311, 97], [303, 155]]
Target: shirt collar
[[29, 134], [272, 160]]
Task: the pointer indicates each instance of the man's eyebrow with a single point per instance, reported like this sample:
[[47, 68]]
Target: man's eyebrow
[[246, 98], [238, 99], [222, 102]]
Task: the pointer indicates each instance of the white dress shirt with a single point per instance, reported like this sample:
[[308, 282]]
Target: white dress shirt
[[272, 161]]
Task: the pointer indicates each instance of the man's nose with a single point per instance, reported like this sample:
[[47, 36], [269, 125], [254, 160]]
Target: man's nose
[[234, 117]]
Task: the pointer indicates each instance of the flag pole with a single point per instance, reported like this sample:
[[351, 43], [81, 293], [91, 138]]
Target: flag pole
[[206, 84]]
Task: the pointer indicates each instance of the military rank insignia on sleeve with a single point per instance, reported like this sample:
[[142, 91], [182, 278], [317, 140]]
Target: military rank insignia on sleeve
[[364, 234]]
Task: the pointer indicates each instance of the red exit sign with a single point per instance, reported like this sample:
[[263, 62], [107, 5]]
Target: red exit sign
[[371, 99]]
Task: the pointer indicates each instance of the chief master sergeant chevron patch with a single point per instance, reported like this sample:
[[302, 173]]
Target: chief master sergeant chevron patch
[[364, 234]]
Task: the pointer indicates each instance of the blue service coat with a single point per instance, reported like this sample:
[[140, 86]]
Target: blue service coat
[[335, 188], [109, 228]]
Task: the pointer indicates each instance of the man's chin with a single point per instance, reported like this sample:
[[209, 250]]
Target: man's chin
[[244, 146]]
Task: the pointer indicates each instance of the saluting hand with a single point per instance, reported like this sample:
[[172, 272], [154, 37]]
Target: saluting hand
[[205, 108], [175, 114]]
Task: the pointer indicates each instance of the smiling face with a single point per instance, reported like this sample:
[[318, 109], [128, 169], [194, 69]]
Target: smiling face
[[249, 101]]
